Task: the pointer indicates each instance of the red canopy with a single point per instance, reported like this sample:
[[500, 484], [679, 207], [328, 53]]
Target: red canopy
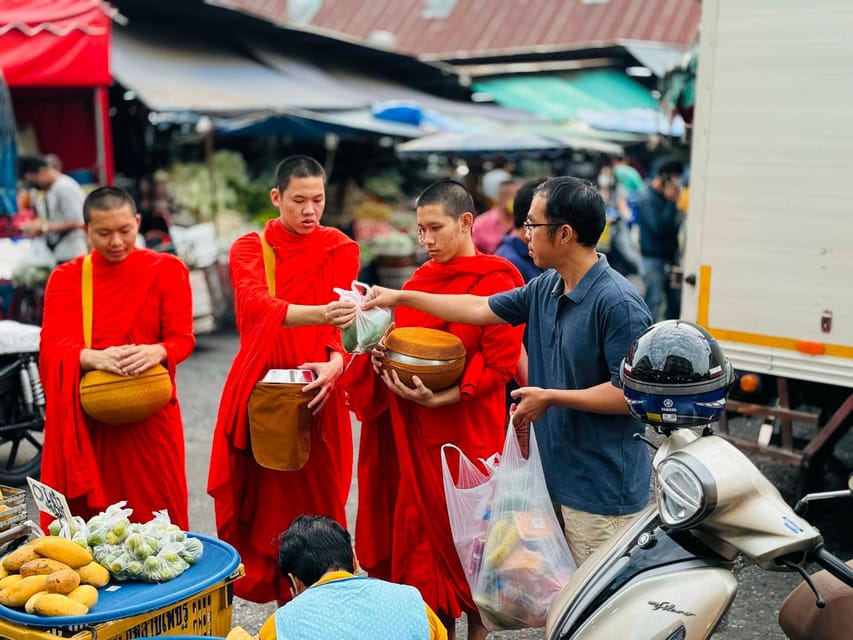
[[55, 43]]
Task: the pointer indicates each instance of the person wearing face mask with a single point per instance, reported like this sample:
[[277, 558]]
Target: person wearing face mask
[[141, 316], [286, 331], [659, 221], [403, 531]]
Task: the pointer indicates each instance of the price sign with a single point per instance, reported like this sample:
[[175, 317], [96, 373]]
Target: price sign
[[50, 500]]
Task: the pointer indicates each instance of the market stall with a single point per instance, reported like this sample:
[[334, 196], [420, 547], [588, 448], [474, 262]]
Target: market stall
[[109, 577], [54, 55]]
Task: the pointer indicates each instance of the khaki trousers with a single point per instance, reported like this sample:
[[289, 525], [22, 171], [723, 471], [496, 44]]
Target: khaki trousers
[[585, 531]]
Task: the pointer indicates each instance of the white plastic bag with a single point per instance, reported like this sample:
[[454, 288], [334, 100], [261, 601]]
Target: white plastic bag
[[469, 501], [526, 560], [369, 326]]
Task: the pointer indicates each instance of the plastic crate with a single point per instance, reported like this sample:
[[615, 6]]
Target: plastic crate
[[207, 613], [15, 513]]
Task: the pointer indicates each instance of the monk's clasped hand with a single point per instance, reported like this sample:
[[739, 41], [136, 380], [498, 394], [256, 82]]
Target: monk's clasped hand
[[139, 358]]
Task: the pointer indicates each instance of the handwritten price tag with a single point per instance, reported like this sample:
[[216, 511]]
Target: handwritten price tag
[[49, 500]]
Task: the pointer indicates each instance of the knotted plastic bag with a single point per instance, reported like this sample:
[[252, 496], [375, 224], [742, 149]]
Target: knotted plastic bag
[[369, 326], [469, 503], [526, 560]]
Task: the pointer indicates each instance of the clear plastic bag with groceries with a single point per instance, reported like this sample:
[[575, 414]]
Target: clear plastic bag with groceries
[[525, 558]]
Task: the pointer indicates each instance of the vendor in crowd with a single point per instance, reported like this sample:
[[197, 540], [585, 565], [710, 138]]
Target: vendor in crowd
[[402, 530], [60, 222], [141, 316], [254, 504], [582, 317]]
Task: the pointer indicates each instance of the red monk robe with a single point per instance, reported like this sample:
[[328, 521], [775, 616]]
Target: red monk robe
[[144, 299], [254, 505], [416, 542]]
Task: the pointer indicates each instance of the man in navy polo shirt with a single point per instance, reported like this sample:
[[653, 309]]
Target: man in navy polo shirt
[[581, 318]]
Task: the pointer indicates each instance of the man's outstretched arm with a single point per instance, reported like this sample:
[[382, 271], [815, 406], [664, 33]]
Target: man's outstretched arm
[[464, 308]]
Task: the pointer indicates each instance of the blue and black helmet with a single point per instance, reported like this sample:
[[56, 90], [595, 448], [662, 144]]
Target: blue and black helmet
[[675, 375]]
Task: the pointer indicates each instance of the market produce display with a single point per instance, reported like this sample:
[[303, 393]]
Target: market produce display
[[51, 576], [155, 551]]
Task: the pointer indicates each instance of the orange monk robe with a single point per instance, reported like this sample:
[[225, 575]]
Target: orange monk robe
[[144, 299], [418, 543], [254, 505]]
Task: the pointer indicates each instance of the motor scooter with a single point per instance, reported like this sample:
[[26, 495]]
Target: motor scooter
[[667, 575], [22, 402]]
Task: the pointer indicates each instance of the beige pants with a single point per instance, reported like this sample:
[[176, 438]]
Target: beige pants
[[585, 532]]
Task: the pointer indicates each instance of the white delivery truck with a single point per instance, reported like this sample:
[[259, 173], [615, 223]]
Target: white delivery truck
[[768, 265]]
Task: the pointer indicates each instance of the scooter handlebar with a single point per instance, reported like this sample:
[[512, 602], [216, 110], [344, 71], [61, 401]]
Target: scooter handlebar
[[832, 564]]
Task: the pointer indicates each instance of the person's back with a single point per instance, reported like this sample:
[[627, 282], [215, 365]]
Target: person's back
[[329, 601], [341, 605]]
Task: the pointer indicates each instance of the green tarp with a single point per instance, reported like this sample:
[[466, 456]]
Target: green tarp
[[560, 96]]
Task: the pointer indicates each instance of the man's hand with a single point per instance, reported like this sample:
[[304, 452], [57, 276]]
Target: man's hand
[[381, 297], [531, 404], [327, 373], [339, 313]]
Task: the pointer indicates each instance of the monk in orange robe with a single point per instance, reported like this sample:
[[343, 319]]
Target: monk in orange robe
[[141, 316], [254, 504], [402, 529]]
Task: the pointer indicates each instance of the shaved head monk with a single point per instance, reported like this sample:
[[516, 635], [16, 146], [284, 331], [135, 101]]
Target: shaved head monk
[[403, 531], [288, 330], [141, 317]]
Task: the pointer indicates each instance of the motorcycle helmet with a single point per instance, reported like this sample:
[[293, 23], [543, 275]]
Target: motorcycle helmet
[[675, 376]]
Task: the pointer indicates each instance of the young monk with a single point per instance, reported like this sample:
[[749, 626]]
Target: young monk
[[255, 504], [141, 316], [403, 531]]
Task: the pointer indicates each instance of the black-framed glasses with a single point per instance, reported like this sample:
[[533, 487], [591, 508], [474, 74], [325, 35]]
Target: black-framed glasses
[[532, 225]]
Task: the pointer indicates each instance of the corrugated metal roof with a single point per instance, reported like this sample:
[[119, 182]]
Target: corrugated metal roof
[[493, 27]]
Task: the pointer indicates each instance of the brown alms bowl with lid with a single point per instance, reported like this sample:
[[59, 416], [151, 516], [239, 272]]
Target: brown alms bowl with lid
[[436, 357]]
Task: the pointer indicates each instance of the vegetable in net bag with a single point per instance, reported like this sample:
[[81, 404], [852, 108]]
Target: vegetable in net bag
[[369, 326], [469, 502], [526, 560]]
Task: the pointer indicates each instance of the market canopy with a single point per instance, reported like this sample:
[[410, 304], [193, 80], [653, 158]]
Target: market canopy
[[504, 142], [193, 74], [603, 98], [55, 43]]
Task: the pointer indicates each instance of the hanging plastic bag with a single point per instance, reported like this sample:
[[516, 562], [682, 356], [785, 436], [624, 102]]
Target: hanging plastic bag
[[469, 501], [526, 560], [369, 326]]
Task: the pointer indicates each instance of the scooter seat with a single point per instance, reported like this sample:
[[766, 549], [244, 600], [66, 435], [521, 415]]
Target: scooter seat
[[800, 618]]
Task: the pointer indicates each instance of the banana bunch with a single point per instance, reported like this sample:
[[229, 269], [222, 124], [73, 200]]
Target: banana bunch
[[51, 576]]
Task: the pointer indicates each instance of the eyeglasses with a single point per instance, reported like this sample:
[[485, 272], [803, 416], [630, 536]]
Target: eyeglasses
[[528, 226]]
